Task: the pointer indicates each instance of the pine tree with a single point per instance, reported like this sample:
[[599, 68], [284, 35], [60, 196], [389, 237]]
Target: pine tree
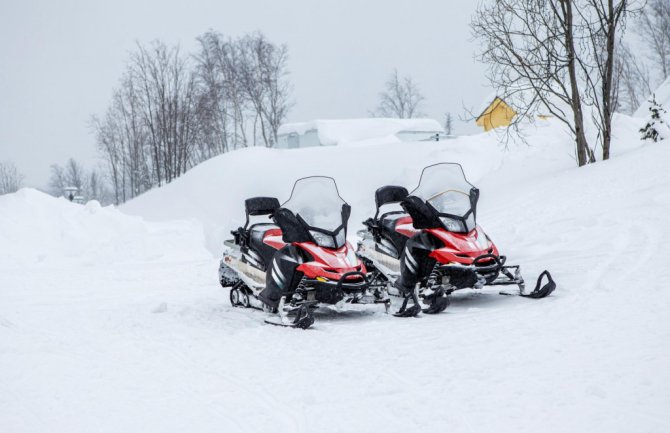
[[650, 130]]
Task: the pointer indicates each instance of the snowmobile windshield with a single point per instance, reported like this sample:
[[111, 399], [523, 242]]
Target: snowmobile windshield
[[445, 188], [317, 204]]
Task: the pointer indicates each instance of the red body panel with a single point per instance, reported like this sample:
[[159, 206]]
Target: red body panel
[[458, 247], [328, 263], [462, 247], [404, 226], [273, 238]]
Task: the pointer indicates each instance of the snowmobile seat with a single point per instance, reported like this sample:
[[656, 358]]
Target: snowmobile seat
[[256, 234], [388, 223], [384, 225], [387, 195]]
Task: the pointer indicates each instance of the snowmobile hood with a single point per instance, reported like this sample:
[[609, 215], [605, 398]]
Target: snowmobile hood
[[333, 261], [332, 258], [462, 245]]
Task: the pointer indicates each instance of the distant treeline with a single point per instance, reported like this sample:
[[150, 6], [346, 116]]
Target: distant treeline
[[172, 111]]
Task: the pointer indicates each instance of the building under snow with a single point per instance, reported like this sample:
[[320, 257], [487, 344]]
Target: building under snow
[[333, 132]]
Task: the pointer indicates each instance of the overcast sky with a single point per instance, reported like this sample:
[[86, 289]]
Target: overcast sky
[[60, 59]]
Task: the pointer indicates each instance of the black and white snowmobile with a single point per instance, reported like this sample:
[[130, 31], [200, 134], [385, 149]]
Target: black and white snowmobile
[[298, 261], [426, 244]]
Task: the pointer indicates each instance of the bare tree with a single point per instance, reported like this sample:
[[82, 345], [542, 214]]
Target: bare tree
[[216, 108], [401, 98], [97, 188], [75, 174], [58, 180], [654, 29], [633, 80], [170, 112], [557, 54], [10, 178], [262, 73], [166, 92], [531, 49], [601, 23], [276, 104], [72, 174]]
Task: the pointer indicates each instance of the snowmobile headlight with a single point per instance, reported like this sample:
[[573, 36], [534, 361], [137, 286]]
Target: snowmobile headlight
[[482, 240], [340, 239], [453, 225], [352, 259], [322, 239]]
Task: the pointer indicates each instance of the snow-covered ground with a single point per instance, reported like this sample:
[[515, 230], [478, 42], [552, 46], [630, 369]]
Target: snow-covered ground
[[113, 320]]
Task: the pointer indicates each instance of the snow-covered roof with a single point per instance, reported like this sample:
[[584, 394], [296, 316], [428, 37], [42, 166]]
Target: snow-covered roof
[[348, 130], [486, 103], [662, 95]]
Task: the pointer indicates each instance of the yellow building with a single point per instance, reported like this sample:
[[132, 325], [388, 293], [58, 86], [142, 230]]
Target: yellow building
[[497, 114]]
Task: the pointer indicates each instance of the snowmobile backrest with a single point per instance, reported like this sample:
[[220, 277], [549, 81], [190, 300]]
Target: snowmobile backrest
[[423, 215], [389, 194], [256, 206]]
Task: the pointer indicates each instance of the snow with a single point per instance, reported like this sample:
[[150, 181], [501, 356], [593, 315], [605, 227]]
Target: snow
[[662, 95], [486, 102], [113, 320], [43, 231], [332, 132]]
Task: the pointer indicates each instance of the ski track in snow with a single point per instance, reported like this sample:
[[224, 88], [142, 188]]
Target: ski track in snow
[[151, 344]]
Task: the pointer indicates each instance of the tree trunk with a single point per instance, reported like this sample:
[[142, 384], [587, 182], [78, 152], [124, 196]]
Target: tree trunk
[[608, 80], [583, 156]]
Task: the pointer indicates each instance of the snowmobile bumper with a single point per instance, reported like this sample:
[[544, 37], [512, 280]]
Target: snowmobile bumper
[[485, 270], [344, 290], [491, 270]]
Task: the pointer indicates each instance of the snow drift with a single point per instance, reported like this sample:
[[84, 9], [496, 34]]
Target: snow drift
[[213, 193], [37, 229]]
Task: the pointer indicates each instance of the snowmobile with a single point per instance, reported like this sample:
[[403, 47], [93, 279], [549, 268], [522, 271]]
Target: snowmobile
[[300, 260], [426, 244]]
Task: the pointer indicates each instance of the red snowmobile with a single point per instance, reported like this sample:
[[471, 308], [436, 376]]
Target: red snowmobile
[[299, 261], [430, 245]]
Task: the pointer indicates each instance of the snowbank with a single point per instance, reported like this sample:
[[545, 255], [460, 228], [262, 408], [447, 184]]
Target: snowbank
[[332, 132], [37, 229], [214, 191]]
